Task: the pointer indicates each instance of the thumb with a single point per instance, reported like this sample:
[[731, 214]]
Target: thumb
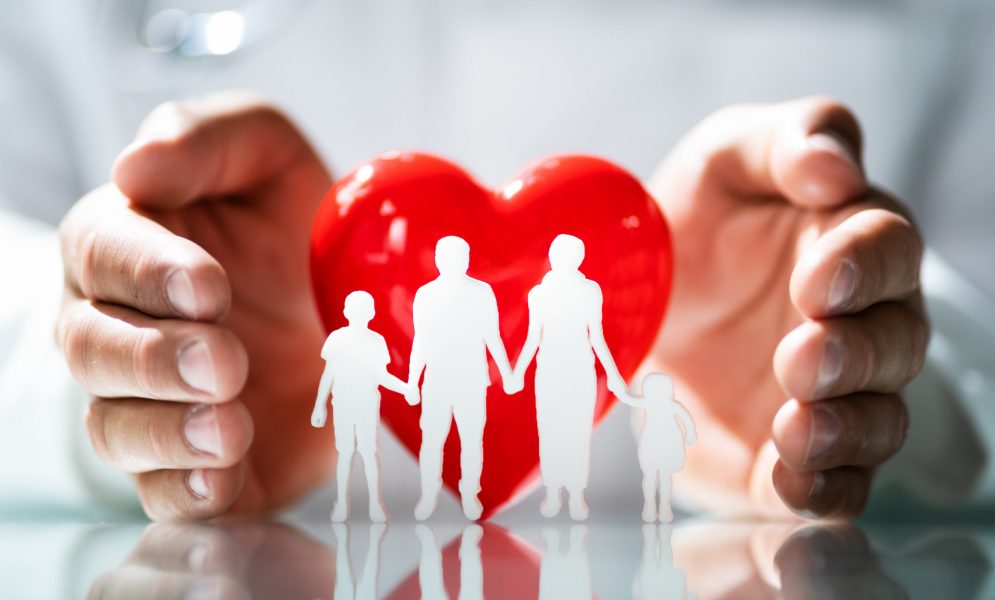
[[814, 157], [807, 151], [214, 146]]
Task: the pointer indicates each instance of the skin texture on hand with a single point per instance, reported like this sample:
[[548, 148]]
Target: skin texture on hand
[[188, 310], [796, 315]]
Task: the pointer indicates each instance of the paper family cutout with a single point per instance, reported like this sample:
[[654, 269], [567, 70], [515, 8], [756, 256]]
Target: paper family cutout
[[455, 327]]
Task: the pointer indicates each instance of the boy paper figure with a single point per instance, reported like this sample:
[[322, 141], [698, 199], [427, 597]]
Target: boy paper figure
[[456, 324], [667, 425], [356, 366], [565, 330]]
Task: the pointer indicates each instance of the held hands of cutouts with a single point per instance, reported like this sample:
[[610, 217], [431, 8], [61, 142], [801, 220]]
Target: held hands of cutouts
[[411, 395]]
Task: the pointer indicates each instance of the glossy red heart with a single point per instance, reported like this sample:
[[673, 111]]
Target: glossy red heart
[[376, 231]]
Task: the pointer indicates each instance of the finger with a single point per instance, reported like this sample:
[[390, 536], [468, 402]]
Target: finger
[[138, 435], [118, 352], [861, 430], [871, 257], [839, 493], [180, 495], [807, 151], [113, 254], [878, 350], [213, 146]]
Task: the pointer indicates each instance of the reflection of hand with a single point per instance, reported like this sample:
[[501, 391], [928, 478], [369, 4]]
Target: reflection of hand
[[318, 418], [187, 277], [237, 559], [788, 258]]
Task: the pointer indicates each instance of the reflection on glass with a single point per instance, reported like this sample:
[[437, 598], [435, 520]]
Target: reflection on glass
[[233, 560], [485, 561], [345, 588], [566, 570], [430, 576], [703, 560], [657, 576]]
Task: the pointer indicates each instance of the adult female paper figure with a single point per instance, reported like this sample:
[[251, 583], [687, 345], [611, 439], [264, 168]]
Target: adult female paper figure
[[565, 330], [660, 442]]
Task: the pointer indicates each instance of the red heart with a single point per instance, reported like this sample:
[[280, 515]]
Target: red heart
[[376, 231]]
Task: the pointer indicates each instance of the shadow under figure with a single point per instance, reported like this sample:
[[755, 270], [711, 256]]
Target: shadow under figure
[[565, 335]]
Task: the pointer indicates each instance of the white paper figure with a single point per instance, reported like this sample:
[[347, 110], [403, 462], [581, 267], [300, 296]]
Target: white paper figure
[[345, 587], [430, 576], [455, 325], [657, 576], [666, 427], [565, 330], [356, 366], [565, 573]]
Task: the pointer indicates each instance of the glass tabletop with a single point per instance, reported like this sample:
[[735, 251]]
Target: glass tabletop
[[548, 560]]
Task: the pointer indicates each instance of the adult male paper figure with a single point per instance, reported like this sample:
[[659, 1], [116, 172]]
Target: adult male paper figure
[[356, 366], [565, 330], [455, 325]]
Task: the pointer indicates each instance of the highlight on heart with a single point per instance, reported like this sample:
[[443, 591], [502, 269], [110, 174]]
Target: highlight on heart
[[455, 325]]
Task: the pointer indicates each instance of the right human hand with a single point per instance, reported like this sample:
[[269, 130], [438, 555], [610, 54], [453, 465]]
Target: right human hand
[[188, 303]]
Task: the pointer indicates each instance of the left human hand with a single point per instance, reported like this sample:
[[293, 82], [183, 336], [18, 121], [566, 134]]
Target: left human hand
[[796, 316]]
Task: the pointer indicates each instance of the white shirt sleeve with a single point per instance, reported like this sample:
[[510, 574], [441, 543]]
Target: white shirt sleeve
[[49, 466], [945, 463]]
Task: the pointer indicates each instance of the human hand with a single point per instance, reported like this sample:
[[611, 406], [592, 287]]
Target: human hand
[[796, 308], [412, 395], [187, 304]]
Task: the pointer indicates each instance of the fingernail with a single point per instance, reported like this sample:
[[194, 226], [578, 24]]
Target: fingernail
[[830, 368], [818, 485], [198, 484], [201, 430], [841, 288], [179, 292], [825, 432], [835, 144], [197, 368]]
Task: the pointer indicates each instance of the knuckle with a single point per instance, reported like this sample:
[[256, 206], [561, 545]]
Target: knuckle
[[78, 332], [87, 261], [95, 420], [146, 355]]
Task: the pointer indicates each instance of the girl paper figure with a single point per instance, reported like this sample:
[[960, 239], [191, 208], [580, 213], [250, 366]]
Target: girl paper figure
[[356, 366], [667, 427], [565, 330]]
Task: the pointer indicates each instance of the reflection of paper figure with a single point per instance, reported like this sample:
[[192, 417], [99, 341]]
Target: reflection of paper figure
[[345, 588], [356, 366], [565, 573], [565, 335], [455, 324], [657, 576], [666, 427], [430, 577]]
